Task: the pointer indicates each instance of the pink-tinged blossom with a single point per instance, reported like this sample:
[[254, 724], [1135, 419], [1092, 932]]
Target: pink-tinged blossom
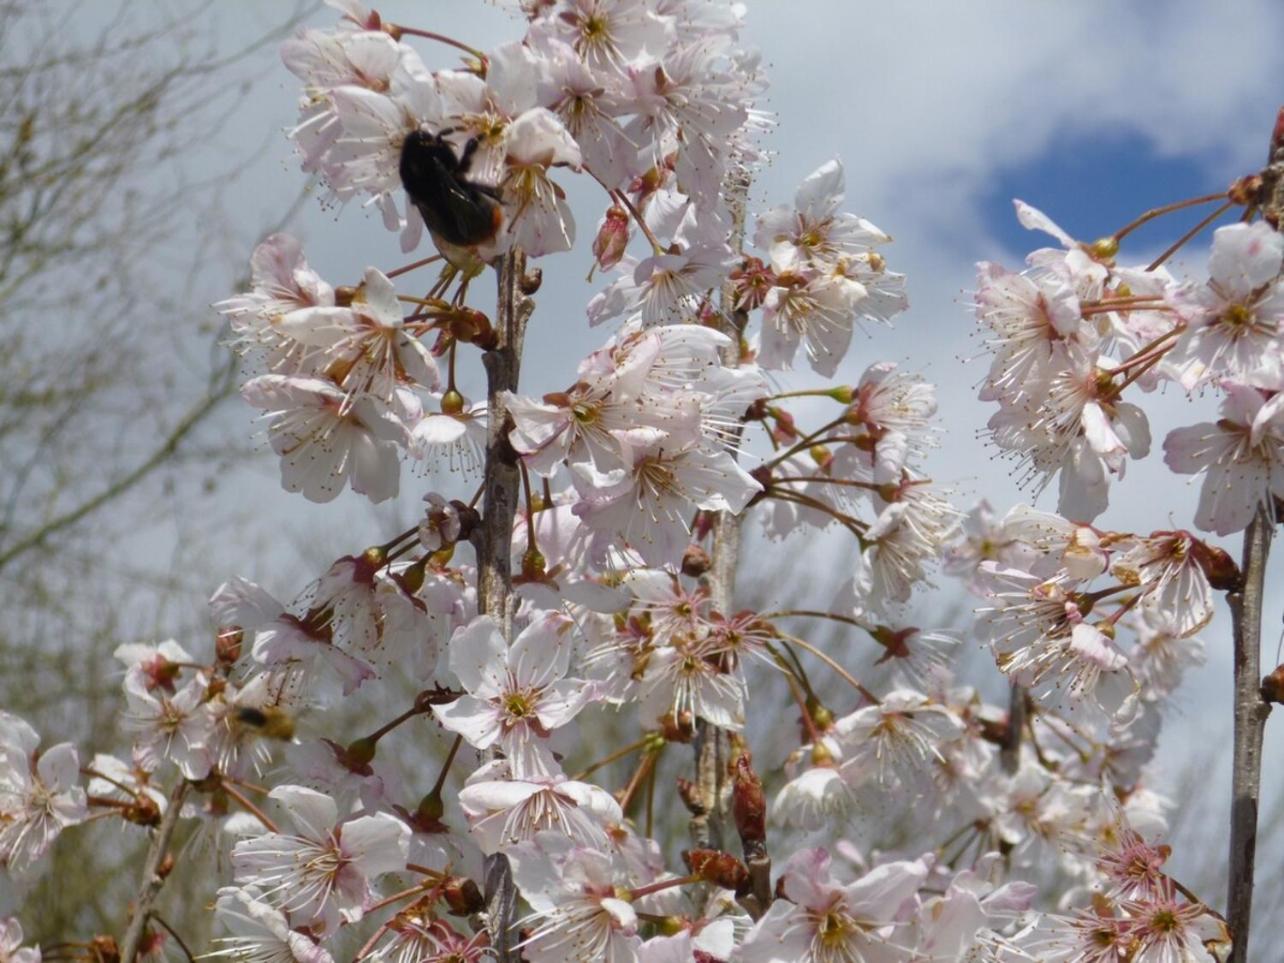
[[813, 799], [541, 221], [1234, 322], [321, 873], [455, 438], [502, 812], [1031, 320], [324, 440], [896, 740], [1079, 430], [821, 920], [40, 795], [175, 728], [11, 948], [1162, 655], [160, 664], [368, 340], [578, 914], [260, 933], [649, 502], [517, 695], [440, 525], [1241, 457], [813, 230], [281, 639], [281, 282], [1165, 566]]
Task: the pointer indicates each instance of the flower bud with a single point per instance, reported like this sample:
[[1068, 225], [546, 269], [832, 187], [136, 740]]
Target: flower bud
[[344, 295], [1273, 686], [463, 897], [1220, 569], [748, 804], [1103, 248], [695, 561], [531, 281], [721, 869], [612, 238]]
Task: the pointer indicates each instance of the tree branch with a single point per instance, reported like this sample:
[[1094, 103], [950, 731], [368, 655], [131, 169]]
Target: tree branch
[[1249, 708], [494, 540], [152, 880]]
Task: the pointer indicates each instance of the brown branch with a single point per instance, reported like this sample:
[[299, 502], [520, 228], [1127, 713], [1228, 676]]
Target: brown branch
[[1250, 712], [494, 537], [1249, 708], [152, 879]]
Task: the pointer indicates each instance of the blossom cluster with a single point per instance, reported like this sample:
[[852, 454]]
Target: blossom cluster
[[912, 819]]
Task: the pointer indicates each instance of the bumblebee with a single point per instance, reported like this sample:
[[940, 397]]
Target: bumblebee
[[457, 210]]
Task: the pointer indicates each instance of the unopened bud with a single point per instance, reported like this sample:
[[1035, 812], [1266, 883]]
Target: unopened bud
[[463, 896], [612, 238], [1273, 686], [695, 561], [748, 804], [1220, 569], [531, 281], [344, 295], [821, 455], [677, 729], [714, 866]]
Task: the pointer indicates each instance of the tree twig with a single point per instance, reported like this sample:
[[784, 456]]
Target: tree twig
[[152, 880]]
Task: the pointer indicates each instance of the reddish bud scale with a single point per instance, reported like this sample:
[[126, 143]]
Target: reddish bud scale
[[462, 896], [1220, 569], [721, 869], [695, 561], [1273, 686], [748, 803]]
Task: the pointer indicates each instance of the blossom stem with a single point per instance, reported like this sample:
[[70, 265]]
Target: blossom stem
[[801, 698], [1155, 212], [1177, 245], [662, 884], [398, 897], [152, 879], [833, 664], [368, 946], [613, 757], [397, 29], [623, 198], [445, 766], [410, 267], [641, 772], [387, 727], [249, 806], [177, 939]]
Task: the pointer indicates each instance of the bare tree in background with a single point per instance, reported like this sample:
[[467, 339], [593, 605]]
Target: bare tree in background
[[112, 182]]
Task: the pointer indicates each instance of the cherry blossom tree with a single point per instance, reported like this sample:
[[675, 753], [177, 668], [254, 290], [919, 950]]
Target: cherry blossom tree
[[571, 575]]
